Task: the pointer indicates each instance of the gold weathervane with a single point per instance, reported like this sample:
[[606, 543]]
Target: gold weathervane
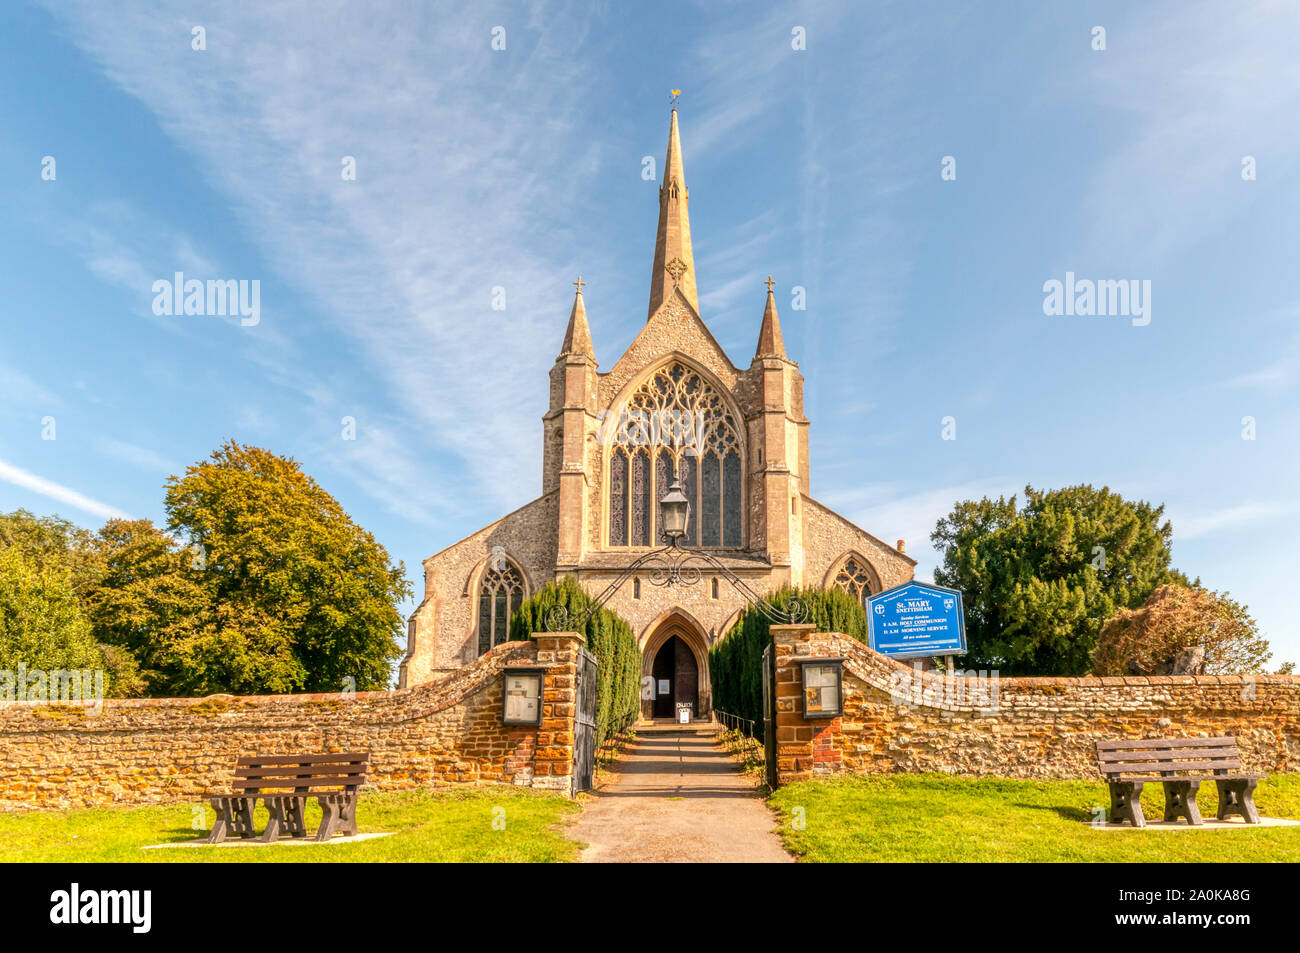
[[673, 96]]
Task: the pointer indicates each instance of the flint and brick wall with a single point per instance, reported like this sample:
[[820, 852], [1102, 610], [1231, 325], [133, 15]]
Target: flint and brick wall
[[173, 750], [898, 720]]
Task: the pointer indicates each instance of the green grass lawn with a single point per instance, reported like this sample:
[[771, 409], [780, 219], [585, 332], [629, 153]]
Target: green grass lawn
[[937, 818], [426, 826]]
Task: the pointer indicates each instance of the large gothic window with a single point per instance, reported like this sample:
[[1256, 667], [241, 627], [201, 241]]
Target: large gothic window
[[854, 577], [676, 426], [500, 593]]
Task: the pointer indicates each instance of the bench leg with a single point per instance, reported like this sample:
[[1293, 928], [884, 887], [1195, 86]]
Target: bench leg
[[234, 816], [286, 817], [338, 814], [1126, 803], [294, 822], [1238, 797], [274, 823], [1180, 801], [348, 813], [243, 816], [329, 807], [225, 820]]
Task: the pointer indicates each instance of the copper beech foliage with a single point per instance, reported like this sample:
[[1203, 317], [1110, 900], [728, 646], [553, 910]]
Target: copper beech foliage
[[1174, 618]]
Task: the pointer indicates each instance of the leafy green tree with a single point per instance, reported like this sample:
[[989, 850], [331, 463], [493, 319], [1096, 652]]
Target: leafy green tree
[[49, 541], [42, 627], [151, 600], [47, 569], [1039, 581], [609, 639], [301, 597]]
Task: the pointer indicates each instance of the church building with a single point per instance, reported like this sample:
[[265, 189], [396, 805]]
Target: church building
[[672, 408]]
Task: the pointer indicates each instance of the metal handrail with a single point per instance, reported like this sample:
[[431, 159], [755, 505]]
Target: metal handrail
[[741, 737]]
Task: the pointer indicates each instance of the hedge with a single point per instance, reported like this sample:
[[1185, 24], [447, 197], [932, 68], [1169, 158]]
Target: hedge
[[736, 660], [609, 638]]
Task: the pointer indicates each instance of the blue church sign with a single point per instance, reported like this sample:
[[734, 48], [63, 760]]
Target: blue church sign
[[917, 620]]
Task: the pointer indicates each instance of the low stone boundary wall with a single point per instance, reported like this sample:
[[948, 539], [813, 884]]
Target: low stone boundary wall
[[179, 749], [897, 720]]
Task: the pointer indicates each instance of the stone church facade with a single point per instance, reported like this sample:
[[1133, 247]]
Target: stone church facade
[[673, 406]]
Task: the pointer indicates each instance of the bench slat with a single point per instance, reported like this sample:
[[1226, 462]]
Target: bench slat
[[292, 771], [297, 784], [253, 784], [1148, 779], [1170, 766], [1158, 754], [257, 761], [1113, 744], [1164, 765], [1156, 766]]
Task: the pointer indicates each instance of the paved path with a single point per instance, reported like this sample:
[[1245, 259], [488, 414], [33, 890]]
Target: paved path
[[675, 795]]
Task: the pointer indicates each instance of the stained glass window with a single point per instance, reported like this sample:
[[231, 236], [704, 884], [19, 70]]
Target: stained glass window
[[731, 499], [641, 492], [501, 592], [618, 498], [690, 469], [856, 578], [710, 493], [678, 421]]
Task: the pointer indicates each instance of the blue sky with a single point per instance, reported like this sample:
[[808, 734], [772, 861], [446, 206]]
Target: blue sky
[[521, 168]]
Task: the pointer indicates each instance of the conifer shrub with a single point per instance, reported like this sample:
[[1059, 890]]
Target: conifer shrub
[[609, 639], [736, 659]]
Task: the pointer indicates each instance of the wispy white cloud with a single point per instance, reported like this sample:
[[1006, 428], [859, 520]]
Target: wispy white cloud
[[1201, 91], [1194, 525], [891, 512], [463, 160], [137, 456], [58, 492], [1277, 375], [20, 390], [381, 462], [130, 249]]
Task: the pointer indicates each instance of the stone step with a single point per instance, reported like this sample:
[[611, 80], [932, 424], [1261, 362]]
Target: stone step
[[665, 726]]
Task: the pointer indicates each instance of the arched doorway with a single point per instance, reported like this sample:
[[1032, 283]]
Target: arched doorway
[[676, 677], [675, 667]]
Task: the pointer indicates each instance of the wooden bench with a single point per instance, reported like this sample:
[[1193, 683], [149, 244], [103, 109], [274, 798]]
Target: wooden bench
[[285, 782], [1180, 764]]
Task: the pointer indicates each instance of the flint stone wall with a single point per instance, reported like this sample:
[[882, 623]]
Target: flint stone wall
[[896, 720], [169, 750]]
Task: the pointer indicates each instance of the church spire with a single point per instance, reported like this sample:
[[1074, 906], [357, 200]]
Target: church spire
[[770, 343], [674, 262], [577, 336]]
